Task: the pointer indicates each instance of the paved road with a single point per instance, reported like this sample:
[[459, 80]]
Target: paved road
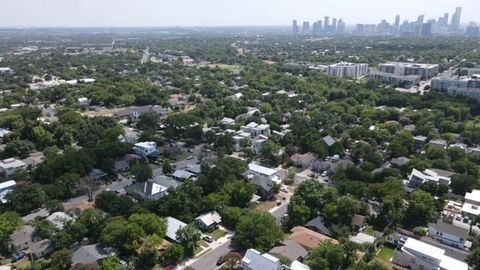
[[69, 204], [209, 260], [280, 211]]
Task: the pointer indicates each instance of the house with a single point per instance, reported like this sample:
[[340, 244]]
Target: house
[[173, 225], [183, 175], [264, 186], [303, 161], [438, 143], [258, 143], [399, 162], [91, 254], [417, 255], [308, 238], [146, 149], [319, 225], [448, 234], [208, 221], [420, 142], [41, 248], [4, 133], [331, 166], [5, 188], [240, 140], [97, 174], [228, 122], [254, 260], [129, 135], [363, 238], [290, 249], [418, 178], [83, 102], [255, 129], [59, 219], [23, 237], [329, 140], [34, 159], [134, 113], [10, 166], [256, 169], [358, 221], [166, 181], [121, 166], [471, 206], [147, 190]]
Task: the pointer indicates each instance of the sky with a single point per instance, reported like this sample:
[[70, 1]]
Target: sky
[[156, 13]]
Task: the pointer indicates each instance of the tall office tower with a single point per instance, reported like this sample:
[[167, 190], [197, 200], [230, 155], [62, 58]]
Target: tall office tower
[[426, 29], [326, 24], [306, 28], [397, 23], [434, 24], [418, 25], [334, 25], [315, 30], [472, 30], [295, 28], [445, 17], [320, 26], [456, 18], [341, 26]]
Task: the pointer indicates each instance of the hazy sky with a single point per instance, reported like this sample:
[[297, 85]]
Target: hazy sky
[[219, 12]]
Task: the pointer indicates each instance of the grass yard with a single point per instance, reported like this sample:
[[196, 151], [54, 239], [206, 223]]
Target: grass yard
[[217, 234], [369, 230], [385, 254], [265, 206]]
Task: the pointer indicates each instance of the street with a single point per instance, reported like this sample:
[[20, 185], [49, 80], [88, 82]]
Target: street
[[209, 260]]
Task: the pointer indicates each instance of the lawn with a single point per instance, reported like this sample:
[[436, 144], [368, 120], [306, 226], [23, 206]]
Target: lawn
[[369, 230], [217, 234], [265, 206], [385, 253]]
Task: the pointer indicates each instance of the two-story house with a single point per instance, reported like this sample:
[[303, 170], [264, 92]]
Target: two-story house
[[448, 234], [10, 166], [145, 149]]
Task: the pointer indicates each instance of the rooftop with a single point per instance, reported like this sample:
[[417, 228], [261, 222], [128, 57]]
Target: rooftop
[[173, 225], [450, 229], [255, 260], [261, 169]]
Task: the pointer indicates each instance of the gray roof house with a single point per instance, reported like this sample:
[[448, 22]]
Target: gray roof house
[[319, 225], [41, 248], [23, 237], [173, 225], [208, 221], [329, 140], [147, 190], [166, 181], [290, 249], [90, 254], [264, 186]]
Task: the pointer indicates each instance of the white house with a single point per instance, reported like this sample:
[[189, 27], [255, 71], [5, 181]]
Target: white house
[[5, 188], [258, 143], [59, 219], [471, 206], [208, 221], [4, 133], [417, 255], [145, 149], [418, 178], [254, 260], [147, 190], [10, 166], [448, 234], [257, 129], [255, 169], [83, 101]]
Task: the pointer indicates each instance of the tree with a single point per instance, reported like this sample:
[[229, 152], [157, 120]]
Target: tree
[[473, 258], [54, 206], [150, 223], [26, 198], [298, 212], [462, 183], [167, 167], [331, 256], [188, 237], [269, 152], [238, 192], [9, 222], [421, 209], [113, 204], [61, 260], [120, 234], [231, 216], [89, 224], [258, 230], [142, 172], [149, 120], [173, 254], [112, 263]]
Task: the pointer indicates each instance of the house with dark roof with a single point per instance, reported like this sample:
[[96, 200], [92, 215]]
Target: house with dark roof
[[331, 166], [97, 174], [399, 162], [303, 161], [319, 225], [264, 186], [448, 234], [91, 253], [358, 221], [23, 237], [41, 248], [290, 249]]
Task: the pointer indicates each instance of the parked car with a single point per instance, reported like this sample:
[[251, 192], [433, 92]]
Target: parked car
[[17, 257], [208, 238]]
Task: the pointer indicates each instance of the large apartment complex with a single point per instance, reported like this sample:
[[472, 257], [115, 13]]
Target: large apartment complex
[[348, 70], [459, 85], [425, 71]]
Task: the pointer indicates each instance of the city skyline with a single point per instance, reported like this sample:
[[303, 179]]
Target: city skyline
[[149, 13]]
